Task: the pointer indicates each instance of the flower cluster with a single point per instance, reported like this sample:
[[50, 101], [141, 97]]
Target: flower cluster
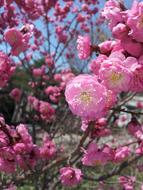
[[50, 79], [48, 149], [100, 156], [7, 68], [83, 46], [45, 109], [18, 40], [16, 148]]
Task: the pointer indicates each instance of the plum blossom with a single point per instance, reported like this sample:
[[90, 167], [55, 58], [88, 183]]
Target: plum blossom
[[7, 68], [114, 75], [7, 166], [137, 80], [70, 176], [83, 47], [133, 47], [17, 148], [17, 40], [135, 21], [46, 110], [96, 156], [96, 63], [120, 31], [48, 149], [16, 94], [86, 97], [100, 131], [127, 182], [61, 34], [38, 72], [121, 153], [135, 129], [139, 149], [112, 12]]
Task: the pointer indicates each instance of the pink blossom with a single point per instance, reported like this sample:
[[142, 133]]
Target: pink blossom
[[95, 156], [86, 97], [133, 47], [11, 187], [49, 60], [17, 40], [46, 110], [110, 46], [106, 47], [7, 166], [100, 131], [38, 72], [120, 31], [48, 149], [29, 159], [20, 148], [135, 21], [136, 68], [62, 36], [102, 121], [1, 3], [13, 36], [127, 182], [121, 153], [70, 176], [112, 12], [25, 136], [34, 102], [52, 90], [7, 153], [139, 105], [96, 63], [80, 18], [83, 47], [114, 74], [139, 149], [135, 129], [84, 125], [16, 94], [58, 77], [137, 80], [67, 76], [4, 140], [7, 68]]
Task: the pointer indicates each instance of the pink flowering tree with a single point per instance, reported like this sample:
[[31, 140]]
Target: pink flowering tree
[[71, 95]]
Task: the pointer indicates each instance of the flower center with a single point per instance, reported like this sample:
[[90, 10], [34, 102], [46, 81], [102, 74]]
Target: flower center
[[85, 97], [116, 77], [96, 162], [70, 175]]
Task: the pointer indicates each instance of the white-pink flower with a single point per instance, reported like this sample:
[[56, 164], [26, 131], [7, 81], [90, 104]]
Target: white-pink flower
[[86, 97]]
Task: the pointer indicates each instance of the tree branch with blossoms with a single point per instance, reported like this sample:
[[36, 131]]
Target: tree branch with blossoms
[[70, 103]]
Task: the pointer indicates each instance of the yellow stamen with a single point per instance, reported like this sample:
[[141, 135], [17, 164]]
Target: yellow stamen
[[116, 77], [96, 162], [85, 97]]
